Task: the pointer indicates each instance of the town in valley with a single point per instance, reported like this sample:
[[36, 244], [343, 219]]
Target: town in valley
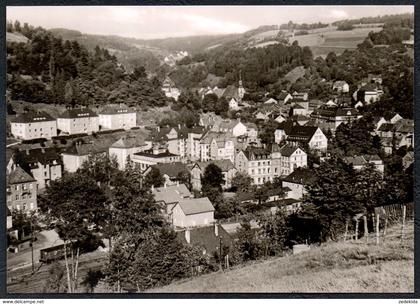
[[180, 164]]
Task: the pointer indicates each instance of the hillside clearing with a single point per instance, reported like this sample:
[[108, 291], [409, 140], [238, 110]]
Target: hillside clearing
[[333, 267]]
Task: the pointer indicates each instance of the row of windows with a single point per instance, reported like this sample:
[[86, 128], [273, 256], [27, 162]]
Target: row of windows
[[23, 196], [25, 206], [263, 171], [24, 187]]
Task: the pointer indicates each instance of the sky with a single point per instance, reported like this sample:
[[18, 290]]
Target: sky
[[149, 22]]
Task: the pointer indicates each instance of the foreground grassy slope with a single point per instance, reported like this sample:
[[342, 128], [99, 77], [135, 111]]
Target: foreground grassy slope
[[334, 267]]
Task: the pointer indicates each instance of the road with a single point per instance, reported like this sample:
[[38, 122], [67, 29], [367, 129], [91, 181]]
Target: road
[[46, 238]]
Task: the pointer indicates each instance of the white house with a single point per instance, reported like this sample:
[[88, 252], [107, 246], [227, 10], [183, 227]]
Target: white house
[[233, 104], [312, 136], [285, 159], [271, 101], [256, 162], [32, 125], [297, 182], [341, 86], [76, 121], [193, 213], [124, 148], [117, 117], [153, 156]]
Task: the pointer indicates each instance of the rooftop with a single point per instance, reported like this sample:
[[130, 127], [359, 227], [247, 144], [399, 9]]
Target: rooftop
[[30, 117], [171, 194], [19, 176], [78, 113], [196, 205]]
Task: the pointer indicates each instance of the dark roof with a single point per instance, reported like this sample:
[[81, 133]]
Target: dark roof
[[172, 169], [33, 117], [120, 109], [86, 149], [78, 113], [149, 153], [206, 237], [31, 157], [19, 176], [326, 111], [386, 127], [300, 176], [256, 153], [196, 205], [304, 133], [361, 160], [283, 95], [288, 150]]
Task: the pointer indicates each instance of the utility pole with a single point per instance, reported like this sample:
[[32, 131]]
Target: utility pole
[[220, 252], [32, 246]]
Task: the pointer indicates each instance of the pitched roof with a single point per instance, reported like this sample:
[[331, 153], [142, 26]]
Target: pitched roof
[[33, 117], [150, 153], [283, 95], [127, 142], [361, 160], [339, 83], [119, 109], [231, 91], [300, 176], [256, 153], [288, 149], [44, 156], [303, 132], [78, 113], [172, 169], [386, 127], [205, 237], [171, 194], [224, 164], [19, 176], [196, 205], [81, 149]]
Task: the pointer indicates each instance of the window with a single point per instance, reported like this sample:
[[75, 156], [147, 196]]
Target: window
[[45, 174], [17, 197]]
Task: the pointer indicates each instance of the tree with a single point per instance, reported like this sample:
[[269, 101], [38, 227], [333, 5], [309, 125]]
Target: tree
[[241, 182], [75, 205], [212, 177], [275, 232], [331, 196], [154, 178], [249, 244]]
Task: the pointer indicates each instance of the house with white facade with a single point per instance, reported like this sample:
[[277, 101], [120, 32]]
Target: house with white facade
[[341, 86], [193, 212], [117, 117], [297, 182], [256, 162], [32, 125], [153, 156], [125, 147], [198, 168], [77, 121], [285, 159], [43, 164], [313, 137]]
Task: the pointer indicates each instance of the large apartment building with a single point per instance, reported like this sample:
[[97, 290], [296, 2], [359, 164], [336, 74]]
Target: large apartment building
[[32, 125]]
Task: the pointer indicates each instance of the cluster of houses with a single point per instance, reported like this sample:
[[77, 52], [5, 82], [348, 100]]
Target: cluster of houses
[[182, 153]]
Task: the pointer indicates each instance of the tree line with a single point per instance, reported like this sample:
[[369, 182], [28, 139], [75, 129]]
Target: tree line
[[49, 70]]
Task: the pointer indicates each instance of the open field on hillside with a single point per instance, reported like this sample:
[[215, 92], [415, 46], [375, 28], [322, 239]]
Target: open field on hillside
[[333, 267], [322, 43]]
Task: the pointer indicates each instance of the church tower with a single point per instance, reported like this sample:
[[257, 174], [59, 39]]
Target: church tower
[[241, 90]]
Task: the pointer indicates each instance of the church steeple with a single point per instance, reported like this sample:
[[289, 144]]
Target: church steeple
[[241, 90]]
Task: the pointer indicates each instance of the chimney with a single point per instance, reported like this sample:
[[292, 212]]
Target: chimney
[[216, 229], [152, 188], [179, 126], [164, 185], [158, 128], [27, 151], [42, 150], [187, 236]]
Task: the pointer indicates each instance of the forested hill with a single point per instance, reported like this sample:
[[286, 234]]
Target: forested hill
[[45, 68]]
